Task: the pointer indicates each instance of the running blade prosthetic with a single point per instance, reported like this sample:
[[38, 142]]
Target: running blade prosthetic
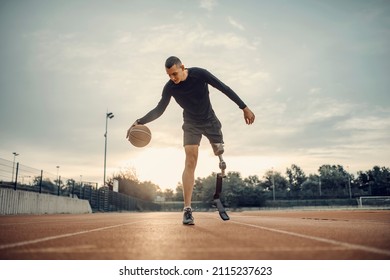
[[217, 202]]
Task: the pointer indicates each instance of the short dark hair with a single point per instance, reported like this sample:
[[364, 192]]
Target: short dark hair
[[172, 60]]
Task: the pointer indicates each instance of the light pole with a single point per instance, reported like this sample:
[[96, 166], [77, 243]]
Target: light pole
[[273, 184], [349, 183], [319, 183], [13, 166], [58, 178], [108, 116]]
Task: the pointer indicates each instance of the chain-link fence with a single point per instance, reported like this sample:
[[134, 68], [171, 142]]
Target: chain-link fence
[[21, 177]]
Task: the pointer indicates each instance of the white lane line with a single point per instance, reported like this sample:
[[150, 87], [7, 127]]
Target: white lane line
[[18, 244], [320, 239]]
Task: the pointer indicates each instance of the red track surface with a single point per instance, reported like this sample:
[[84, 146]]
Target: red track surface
[[271, 235]]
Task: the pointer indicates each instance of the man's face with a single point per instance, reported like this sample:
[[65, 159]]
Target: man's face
[[176, 73]]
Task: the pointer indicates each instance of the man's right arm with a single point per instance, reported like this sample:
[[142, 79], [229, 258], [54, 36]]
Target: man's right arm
[[153, 114], [157, 111]]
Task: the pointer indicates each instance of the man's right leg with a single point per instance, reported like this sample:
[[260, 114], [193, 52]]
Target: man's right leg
[[189, 172], [188, 177]]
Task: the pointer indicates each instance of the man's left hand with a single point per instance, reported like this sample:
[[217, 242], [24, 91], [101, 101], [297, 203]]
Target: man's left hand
[[248, 116]]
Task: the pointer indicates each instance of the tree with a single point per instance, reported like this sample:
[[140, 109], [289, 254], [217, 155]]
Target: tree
[[232, 189], [334, 181], [206, 187], [47, 185], [252, 180], [198, 190], [311, 188], [253, 193], [168, 195], [131, 186], [296, 177], [375, 181], [274, 179], [179, 192], [148, 190]]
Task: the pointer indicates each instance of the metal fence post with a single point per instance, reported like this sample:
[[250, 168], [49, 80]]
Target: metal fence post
[[16, 176], [59, 185], [98, 199], [40, 182], [90, 194]]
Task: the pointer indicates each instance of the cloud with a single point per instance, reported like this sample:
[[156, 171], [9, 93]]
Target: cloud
[[208, 4], [228, 41], [291, 125], [365, 130], [192, 38], [314, 91], [235, 24], [58, 80]]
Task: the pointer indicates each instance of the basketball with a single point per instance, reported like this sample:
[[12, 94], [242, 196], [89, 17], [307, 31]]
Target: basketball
[[140, 135]]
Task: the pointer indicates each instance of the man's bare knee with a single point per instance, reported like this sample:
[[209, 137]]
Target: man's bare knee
[[191, 157], [190, 163]]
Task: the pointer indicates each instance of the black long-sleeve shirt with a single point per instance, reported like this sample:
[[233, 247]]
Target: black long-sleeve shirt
[[192, 95]]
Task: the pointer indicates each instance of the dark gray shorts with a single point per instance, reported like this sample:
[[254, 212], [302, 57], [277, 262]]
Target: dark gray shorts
[[193, 132]]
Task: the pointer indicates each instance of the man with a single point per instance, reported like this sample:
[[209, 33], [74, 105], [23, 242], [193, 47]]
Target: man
[[189, 87]]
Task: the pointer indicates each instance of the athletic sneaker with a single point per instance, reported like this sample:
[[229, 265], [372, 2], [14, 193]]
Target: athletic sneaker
[[187, 217]]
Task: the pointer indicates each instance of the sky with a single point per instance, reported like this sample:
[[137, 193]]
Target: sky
[[315, 73]]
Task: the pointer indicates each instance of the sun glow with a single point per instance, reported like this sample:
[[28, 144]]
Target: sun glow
[[164, 166]]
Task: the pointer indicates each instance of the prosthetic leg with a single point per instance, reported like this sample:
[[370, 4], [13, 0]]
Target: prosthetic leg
[[218, 151]]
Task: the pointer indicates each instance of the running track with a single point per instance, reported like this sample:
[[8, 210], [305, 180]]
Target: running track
[[257, 235]]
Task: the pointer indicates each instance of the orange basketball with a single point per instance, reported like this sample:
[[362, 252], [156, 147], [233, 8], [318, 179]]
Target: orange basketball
[[140, 135]]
